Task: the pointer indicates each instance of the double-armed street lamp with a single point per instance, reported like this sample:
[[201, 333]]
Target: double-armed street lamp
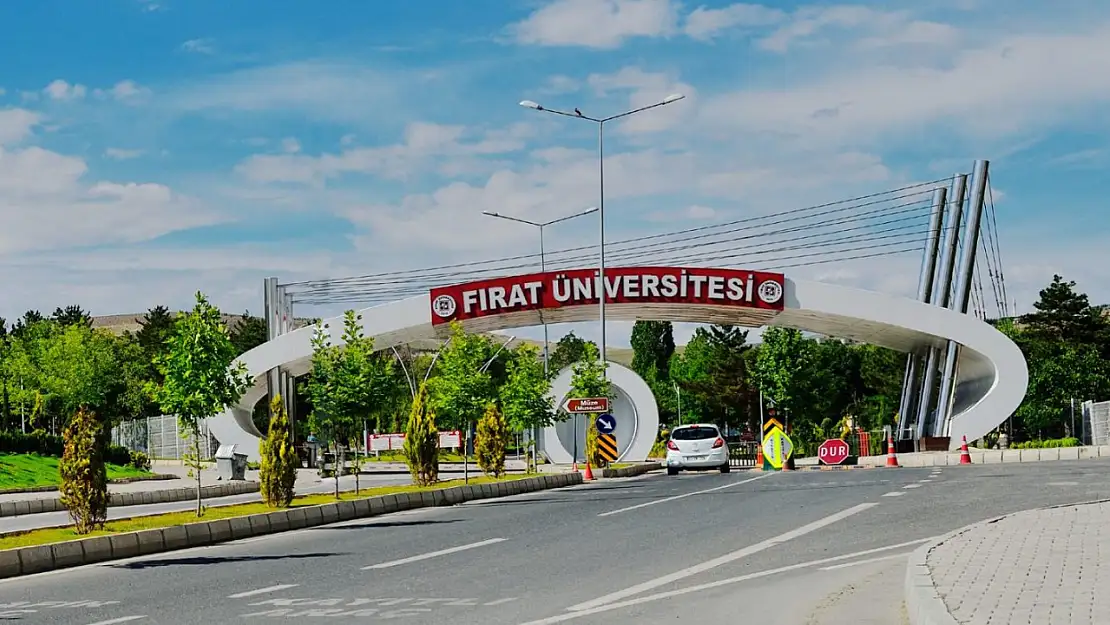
[[600, 121]]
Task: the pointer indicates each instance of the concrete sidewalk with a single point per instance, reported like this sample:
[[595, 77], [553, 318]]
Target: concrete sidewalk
[[1049, 566]]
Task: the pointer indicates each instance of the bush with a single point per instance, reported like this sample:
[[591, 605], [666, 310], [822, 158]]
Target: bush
[[38, 442], [422, 441], [84, 474], [1048, 444], [278, 470], [139, 460], [117, 455], [490, 444], [593, 452]]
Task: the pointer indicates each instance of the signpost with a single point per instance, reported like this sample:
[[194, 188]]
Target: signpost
[[606, 423], [777, 446], [586, 405], [833, 451]]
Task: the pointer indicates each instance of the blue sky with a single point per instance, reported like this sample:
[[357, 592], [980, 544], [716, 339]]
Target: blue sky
[[149, 149]]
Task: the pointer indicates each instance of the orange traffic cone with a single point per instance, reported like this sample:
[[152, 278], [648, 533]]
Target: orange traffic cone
[[759, 458], [965, 456], [589, 476], [891, 459]]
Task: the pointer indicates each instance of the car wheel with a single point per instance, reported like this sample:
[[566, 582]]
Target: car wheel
[[672, 471], [725, 468]]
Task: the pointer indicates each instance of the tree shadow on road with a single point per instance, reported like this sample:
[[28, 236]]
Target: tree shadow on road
[[206, 560]]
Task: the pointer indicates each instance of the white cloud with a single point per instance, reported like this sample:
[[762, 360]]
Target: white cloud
[[16, 124], [199, 46], [705, 24], [603, 24], [289, 145], [127, 91], [62, 90], [3, 91], [121, 154], [644, 89]]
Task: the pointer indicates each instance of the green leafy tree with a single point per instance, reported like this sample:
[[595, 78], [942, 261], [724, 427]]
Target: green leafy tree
[[71, 315], [83, 472], [568, 350], [463, 387], [781, 362], [1064, 314], [79, 367], [421, 447], [526, 394], [277, 471], [249, 332], [652, 346], [199, 379], [489, 446], [589, 380]]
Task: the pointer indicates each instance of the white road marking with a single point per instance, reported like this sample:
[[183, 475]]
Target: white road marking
[[897, 493], [860, 562], [722, 560], [500, 601], [122, 619], [924, 481], [1062, 484], [683, 496], [912, 486], [262, 591], [434, 554], [724, 582]]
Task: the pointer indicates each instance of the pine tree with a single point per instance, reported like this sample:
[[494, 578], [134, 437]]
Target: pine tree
[[278, 469], [83, 473], [422, 441], [593, 450], [490, 444]]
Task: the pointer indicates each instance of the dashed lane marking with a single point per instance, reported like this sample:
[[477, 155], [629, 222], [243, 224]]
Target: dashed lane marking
[[434, 554], [912, 486], [261, 591], [682, 496], [897, 493]]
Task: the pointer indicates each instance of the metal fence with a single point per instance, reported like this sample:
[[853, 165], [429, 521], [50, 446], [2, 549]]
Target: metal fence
[[160, 438], [742, 453], [1096, 421]]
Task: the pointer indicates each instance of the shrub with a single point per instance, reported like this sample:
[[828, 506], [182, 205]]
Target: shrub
[[490, 444], [1048, 444], [38, 442], [593, 452], [422, 441], [117, 455], [139, 460], [84, 475], [278, 470]]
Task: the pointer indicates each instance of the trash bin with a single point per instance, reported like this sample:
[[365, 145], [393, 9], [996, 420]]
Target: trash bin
[[230, 464]]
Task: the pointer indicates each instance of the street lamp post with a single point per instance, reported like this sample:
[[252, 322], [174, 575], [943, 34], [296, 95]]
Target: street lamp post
[[600, 121], [543, 268]]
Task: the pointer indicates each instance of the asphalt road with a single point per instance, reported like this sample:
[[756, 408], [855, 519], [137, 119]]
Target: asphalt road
[[818, 548]]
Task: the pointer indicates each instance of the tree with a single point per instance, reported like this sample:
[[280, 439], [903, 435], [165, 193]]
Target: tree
[[277, 471], [79, 367], [652, 346], [71, 315], [1064, 314], [463, 387], [489, 446], [199, 380], [569, 350], [588, 380], [526, 394], [83, 472], [249, 332], [155, 329], [421, 446]]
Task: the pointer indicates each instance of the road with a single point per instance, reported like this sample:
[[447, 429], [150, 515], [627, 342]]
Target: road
[[816, 548]]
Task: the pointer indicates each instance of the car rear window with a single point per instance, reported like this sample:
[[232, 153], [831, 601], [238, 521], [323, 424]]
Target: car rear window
[[694, 434]]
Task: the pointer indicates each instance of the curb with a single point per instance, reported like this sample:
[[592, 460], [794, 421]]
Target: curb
[[42, 558], [54, 504], [923, 603], [157, 477], [633, 471]]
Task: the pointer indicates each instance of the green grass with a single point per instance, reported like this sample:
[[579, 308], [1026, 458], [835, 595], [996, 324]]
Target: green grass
[[61, 534], [31, 470]]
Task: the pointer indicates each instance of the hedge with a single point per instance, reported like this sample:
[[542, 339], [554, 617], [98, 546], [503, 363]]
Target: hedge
[[46, 444]]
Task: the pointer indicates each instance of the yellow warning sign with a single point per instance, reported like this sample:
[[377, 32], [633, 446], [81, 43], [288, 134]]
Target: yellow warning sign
[[772, 423], [607, 445], [777, 448]]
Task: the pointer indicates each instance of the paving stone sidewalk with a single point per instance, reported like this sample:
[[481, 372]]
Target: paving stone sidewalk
[[1042, 567]]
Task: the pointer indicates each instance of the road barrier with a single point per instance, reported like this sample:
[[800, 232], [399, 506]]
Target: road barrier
[[42, 558], [138, 498]]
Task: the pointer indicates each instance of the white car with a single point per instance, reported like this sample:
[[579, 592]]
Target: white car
[[696, 447]]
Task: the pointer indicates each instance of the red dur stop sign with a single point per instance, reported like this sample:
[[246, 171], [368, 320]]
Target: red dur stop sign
[[833, 451]]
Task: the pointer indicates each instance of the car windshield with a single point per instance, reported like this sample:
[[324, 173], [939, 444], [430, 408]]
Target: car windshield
[[694, 434]]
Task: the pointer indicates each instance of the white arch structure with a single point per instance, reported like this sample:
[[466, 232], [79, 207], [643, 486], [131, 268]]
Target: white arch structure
[[992, 373]]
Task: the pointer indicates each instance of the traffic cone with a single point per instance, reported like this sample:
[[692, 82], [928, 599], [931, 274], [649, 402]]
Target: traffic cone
[[589, 476], [759, 458], [965, 456], [891, 459]]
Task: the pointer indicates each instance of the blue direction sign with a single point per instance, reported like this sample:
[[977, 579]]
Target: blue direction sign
[[606, 423]]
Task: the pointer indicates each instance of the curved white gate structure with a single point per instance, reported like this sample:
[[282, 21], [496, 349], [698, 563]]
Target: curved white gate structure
[[992, 371]]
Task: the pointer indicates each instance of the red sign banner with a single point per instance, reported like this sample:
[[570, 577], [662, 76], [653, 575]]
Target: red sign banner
[[623, 285], [586, 405]]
